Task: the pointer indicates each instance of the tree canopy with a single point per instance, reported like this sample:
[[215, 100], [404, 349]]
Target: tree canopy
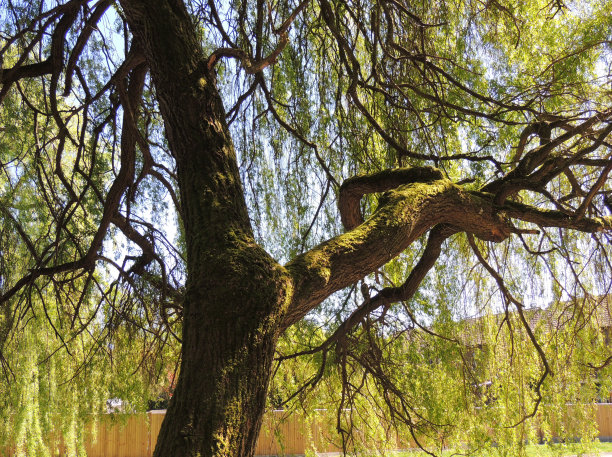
[[343, 204]]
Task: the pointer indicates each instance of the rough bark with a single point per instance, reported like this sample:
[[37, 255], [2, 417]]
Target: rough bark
[[235, 293]]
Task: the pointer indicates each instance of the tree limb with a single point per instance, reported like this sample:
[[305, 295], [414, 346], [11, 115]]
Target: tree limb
[[403, 215]]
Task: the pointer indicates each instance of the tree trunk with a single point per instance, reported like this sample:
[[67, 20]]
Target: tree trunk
[[236, 294], [219, 401]]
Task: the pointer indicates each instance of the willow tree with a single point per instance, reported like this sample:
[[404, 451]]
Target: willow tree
[[485, 123]]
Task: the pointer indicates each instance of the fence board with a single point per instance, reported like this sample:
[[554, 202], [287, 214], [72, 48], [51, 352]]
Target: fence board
[[604, 420], [155, 420]]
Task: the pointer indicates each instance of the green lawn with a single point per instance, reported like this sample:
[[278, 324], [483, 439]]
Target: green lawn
[[557, 450], [563, 450]]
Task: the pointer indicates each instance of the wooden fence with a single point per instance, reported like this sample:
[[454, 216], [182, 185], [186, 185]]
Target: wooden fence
[[279, 435], [136, 435]]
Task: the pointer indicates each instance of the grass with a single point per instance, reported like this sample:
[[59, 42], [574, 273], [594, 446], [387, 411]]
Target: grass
[[555, 450], [559, 450]]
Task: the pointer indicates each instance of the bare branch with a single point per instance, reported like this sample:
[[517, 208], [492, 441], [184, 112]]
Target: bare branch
[[250, 65]]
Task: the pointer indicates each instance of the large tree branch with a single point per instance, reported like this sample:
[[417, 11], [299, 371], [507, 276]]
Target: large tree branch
[[403, 215], [417, 200], [551, 218], [353, 189], [390, 295]]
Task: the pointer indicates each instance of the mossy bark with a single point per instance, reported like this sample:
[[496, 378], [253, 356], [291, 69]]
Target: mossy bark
[[236, 294], [403, 215]]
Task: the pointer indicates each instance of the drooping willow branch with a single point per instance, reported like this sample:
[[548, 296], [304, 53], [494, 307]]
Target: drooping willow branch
[[519, 309], [250, 65]]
